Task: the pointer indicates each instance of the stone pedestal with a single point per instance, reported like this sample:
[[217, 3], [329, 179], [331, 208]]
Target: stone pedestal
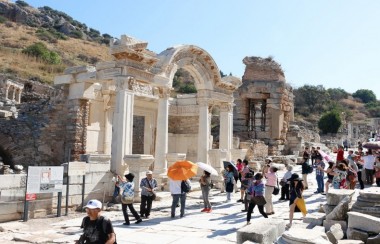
[[368, 202], [217, 157], [138, 165]]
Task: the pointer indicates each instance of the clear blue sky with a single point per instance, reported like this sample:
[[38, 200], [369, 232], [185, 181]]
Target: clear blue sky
[[332, 43]]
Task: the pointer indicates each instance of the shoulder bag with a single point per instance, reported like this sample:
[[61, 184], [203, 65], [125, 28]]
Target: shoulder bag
[[153, 193], [276, 189]]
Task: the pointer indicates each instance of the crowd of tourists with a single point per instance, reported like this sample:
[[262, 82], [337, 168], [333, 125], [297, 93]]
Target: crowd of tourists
[[256, 189]]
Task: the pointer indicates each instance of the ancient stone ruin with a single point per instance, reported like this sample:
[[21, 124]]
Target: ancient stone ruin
[[264, 104]]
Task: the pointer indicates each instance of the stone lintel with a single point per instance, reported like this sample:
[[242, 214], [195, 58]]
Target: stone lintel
[[79, 69], [63, 79]]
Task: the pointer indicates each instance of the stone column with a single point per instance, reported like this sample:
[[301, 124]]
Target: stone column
[[203, 131], [161, 149], [217, 156], [225, 132], [122, 126], [7, 92], [138, 165], [14, 93]]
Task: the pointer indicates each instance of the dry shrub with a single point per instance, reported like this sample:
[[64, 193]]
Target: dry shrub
[[359, 116], [349, 103]]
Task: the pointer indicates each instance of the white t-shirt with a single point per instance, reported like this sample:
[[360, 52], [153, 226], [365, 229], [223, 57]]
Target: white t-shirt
[[369, 161]]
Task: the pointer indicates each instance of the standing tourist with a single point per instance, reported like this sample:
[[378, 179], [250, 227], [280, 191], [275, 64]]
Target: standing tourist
[[127, 197], [285, 184], [339, 155], [205, 182], [256, 191], [330, 175], [178, 194], [148, 187], [359, 163], [296, 191], [377, 168], [239, 166], [229, 181], [313, 155], [369, 162], [340, 174], [271, 182], [96, 228], [244, 181], [305, 166], [319, 174]]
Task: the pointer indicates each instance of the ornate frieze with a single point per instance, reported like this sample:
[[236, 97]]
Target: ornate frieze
[[183, 110]]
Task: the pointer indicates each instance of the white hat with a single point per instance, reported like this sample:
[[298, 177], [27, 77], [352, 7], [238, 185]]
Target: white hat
[[149, 172], [92, 204], [269, 159]]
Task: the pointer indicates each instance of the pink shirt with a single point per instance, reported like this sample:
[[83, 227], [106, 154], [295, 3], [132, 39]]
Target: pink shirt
[[271, 179], [239, 166]]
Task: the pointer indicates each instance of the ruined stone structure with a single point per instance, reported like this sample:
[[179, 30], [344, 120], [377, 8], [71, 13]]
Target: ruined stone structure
[[123, 107], [264, 104], [12, 90]]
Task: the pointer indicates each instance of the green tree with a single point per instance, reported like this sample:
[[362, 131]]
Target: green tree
[[337, 93], [22, 3], [330, 122], [310, 97], [365, 95]]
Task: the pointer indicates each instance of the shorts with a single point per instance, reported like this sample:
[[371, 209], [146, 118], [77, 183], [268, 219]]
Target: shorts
[[329, 180]]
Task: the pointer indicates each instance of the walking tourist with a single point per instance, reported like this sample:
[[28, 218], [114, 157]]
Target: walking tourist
[[319, 174], [229, 181], [205, 182], [248, 182], [96, 228], [296, 191], [271, 182], [148, 186], [256, 193], [178, 194], [128, 193], [285, 184], [239, 166]]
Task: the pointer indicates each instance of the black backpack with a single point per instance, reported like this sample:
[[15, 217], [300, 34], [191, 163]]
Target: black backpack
[[185, 186], [101, 226]]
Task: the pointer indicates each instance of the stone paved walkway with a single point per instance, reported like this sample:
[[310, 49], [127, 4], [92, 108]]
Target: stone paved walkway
[[220, 226]]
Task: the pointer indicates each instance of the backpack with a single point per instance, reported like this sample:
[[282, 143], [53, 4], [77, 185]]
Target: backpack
[[101, 226], [185, 186]]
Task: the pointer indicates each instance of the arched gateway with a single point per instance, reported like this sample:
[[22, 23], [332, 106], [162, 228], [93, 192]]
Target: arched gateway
[[131, 116]]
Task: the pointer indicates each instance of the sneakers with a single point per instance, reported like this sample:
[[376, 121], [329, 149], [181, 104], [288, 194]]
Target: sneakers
[[244, 210], [240, 200], [204, 210], [126, 223], [138, 221], [209, 210], [281, 199]]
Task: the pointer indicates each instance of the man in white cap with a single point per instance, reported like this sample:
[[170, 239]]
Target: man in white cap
[[148, 187], [96, 228]]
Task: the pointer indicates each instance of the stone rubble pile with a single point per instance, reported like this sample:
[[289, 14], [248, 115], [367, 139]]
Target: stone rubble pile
[[363, 227], [368, 202]]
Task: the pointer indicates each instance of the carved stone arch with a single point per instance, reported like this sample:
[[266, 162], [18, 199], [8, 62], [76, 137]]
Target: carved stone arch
[[7, 149], [193, 59]]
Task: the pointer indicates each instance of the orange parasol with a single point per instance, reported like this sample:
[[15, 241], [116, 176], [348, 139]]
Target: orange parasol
[[182, 170]]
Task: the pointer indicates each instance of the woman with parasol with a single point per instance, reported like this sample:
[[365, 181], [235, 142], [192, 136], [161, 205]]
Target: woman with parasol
[[205, 182]]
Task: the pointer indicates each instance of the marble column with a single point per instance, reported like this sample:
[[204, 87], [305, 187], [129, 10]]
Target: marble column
[[226, 130], [161, 150], [203, 131], [108, 115], [7, 92], [122, 126]]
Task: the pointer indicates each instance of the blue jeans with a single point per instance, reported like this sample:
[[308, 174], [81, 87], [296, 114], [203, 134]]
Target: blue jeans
[[176, 198], [320, 183]]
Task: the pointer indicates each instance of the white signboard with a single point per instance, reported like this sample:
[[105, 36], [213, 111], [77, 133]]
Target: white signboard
[[77, 168], [44, 179]]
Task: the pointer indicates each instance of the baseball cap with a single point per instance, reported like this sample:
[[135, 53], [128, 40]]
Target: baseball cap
[[92, 204], [149, 172]]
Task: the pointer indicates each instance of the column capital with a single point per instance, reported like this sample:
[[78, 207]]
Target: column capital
[[164, 92], [124, 82], [226, 107]]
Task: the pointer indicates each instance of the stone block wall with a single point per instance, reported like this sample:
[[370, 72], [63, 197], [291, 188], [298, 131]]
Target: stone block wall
[[12, 193]]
